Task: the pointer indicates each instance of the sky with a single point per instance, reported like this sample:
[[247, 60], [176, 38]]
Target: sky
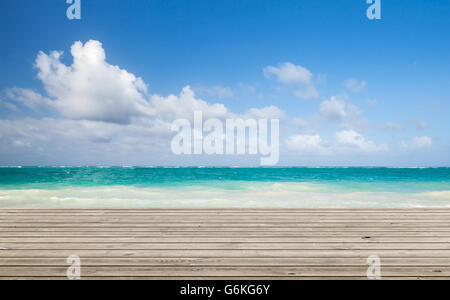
[[105, 89]]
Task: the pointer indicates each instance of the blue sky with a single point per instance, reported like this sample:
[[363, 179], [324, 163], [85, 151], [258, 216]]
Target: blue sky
[[383, 84]]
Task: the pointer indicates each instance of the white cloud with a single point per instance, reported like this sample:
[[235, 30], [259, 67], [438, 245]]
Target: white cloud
[[348, 142], [78, 137], [8, 105], [106, 113], [294, 75], [354, 85], [215, 91], [336, 110], [289, 73], [91, 88], [183, 106], [417, 143], [269, 112], [308, 144], [352, 140], [27, 97]]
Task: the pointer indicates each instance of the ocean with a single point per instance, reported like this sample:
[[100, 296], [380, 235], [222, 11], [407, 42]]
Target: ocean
[[223, 187]]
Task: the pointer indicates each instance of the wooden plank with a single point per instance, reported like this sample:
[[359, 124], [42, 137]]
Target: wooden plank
[[228, 210], [224, 211], [229, 220], [222, 232], [224, 236], [223, 246], [261, 278], [217, 240], [214, 214], [249, 261], [225, 243], [302, 271], [298, 225], [222, 217], [219, 221], [241, 253]]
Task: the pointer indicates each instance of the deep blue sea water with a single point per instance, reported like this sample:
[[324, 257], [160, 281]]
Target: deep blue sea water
[[223, 187]]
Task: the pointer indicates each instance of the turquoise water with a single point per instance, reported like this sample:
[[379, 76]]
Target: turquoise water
[[223, 187]]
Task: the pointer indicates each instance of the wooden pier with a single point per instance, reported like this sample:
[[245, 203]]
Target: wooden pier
[[225, 243]]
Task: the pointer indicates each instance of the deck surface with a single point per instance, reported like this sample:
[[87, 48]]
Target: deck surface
[[225, 243]]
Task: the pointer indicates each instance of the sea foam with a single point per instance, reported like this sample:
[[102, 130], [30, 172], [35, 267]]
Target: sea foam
[[278, 195]]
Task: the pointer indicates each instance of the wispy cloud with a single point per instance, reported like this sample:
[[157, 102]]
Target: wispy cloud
[[355, 85], [419, 142], [8, 105], [27, 97]]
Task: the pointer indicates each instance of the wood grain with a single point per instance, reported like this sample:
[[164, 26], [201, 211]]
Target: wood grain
[[225, 243]]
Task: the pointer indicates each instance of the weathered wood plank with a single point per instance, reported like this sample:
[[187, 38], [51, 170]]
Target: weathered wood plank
[[249, 261], [237, 230], [228, 226], [348, 236], [228, 220], [226, 210], [223, 246], [223, 278], [218, 240], [225, 243], [241, 253], [302, 271]]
